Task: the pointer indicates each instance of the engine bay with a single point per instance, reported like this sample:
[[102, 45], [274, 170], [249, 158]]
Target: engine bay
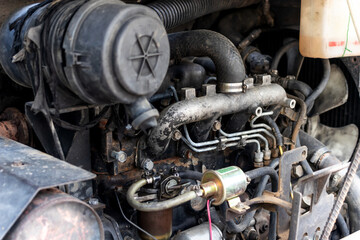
[[173, 119]]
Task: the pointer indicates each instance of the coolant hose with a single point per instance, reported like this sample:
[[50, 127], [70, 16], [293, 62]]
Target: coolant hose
[[280, 53], [297, 85], [199, 43], [155, 206], [320, 88], [176, 12]]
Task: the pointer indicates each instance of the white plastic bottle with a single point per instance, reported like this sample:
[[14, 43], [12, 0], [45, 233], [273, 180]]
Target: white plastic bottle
[[327, 29]]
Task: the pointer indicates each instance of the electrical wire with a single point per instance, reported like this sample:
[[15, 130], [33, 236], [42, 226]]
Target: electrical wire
[[209, 218], [128, 220]]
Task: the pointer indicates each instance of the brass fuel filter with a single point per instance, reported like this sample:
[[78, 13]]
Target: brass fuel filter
[[223, 184]]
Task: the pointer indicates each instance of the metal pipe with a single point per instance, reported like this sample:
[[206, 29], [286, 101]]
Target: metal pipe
[[257, 130], [258, 136], [259, 125], [197, 109], [254, 141], [155, 206]]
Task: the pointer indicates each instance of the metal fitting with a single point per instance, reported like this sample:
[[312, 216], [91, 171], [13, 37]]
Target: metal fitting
[[209, 89], [259, 159], [176, 135], [267, 157], [120, 156], [231, 87], [188, 93], [263, 79], [216, 126], [147, 164], [291, 103]]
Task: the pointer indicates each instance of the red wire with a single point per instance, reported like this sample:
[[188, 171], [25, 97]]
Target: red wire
[[209, 217]]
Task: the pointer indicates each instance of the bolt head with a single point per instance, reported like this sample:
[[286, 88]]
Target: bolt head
[[176, 135], [216, 126], [148, 165], [120, 156]]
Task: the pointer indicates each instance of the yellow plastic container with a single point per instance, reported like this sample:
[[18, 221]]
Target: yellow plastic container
[[327, 29]]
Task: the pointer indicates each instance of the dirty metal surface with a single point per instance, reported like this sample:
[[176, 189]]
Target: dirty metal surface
[[285, 165], [23, 172], [56, 215]]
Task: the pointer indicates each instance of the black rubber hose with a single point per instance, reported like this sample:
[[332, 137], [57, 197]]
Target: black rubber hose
[[176, 12], [275, 129], [280, 53], [302, 87], [341, 224], [320, 88], [199, 43], [189, 174], [260, 172], [237, 228]]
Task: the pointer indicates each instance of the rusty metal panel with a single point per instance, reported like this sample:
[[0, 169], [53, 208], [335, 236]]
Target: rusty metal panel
[[23, 172]]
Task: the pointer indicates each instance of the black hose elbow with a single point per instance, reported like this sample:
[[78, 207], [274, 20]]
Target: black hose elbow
[[199, 43]]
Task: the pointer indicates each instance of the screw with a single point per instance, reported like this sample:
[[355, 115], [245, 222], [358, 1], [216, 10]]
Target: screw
[[216, 126], [120, 156], [176, 135], [93, 201]]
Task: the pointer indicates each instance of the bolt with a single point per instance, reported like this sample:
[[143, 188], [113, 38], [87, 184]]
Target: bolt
[[147, 164], [298, 171], [335, 180], [176, 135], [216, 126], [248, 179], [120, 156], [93, 201]]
